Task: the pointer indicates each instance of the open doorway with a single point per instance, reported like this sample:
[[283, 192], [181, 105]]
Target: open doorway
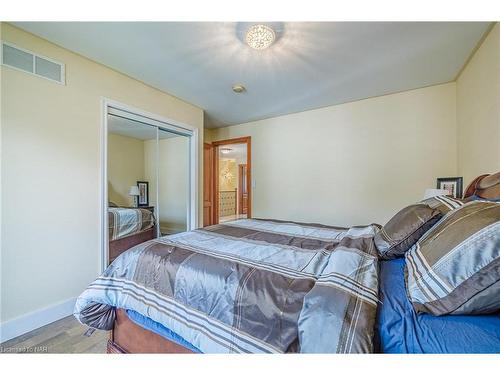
[[232, 180], [229, 180]]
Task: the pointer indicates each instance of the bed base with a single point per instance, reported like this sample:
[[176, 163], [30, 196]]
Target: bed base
[[116, 247], [128, 337]]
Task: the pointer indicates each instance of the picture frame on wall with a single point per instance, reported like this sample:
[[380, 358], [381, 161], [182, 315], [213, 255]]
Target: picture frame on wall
[[454, 185], [143, 193]]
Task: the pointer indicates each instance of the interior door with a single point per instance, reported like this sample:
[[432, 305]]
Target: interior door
[[208, 184], [242, 189]]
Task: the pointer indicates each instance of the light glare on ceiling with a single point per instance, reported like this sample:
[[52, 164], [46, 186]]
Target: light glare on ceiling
[[260, 37]]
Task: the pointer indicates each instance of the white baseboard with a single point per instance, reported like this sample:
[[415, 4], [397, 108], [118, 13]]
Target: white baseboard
[[171, 230], [36, 319]]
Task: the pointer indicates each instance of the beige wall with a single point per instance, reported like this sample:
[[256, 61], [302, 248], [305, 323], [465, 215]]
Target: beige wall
[[51, 172], [173, 183], [353, 163], [125, 167], [207, 135], [478, 110]]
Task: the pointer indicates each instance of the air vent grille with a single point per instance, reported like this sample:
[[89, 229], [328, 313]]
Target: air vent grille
[[29, 62]]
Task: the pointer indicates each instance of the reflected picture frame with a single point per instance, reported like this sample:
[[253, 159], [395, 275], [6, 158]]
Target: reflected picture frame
[[454, 185], [143, 198]]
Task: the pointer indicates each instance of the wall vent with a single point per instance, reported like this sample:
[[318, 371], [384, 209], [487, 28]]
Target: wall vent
[[29, 62]]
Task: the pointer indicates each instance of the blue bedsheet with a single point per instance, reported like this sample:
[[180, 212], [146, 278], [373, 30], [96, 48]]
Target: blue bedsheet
[[401, 330], [158, 328]]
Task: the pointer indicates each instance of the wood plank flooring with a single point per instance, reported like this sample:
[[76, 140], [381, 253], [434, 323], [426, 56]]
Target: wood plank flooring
[[63, 336]]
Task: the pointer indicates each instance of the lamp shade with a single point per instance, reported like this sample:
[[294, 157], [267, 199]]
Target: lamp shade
[[429, 193], [134, 190]]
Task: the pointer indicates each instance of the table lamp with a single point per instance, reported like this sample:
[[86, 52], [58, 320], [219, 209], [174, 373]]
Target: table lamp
[[134, 192]]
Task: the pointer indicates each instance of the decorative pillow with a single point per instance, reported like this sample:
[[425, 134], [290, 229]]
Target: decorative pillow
[[408, 225], [455, 267], [443, 203], [478, 198], [404, 229]]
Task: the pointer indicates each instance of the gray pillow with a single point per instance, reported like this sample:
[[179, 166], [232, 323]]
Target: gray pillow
[[444, 204], [408, 225], [404, 229], [455, 267]]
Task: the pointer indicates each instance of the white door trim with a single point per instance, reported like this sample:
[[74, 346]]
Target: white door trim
[[163, 123]]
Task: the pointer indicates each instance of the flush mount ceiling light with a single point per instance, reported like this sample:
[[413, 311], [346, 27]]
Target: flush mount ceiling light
[[226, 150], [260, 36], [239, 89]]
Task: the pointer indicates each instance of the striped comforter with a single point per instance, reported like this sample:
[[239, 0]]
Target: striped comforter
[[123, 222], [248, 286]]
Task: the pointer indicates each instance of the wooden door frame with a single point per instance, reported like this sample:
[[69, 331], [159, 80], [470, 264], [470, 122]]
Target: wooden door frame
[[239, 201], [209, 146], [239, 190], [215, 171]]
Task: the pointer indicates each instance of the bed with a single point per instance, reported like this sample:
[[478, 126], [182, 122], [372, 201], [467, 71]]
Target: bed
[[248, 286], [128, 227], [264, 286]]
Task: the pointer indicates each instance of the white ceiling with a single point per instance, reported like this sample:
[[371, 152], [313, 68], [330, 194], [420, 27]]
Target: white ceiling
[[312, 64], [238, 152], [134, 129]]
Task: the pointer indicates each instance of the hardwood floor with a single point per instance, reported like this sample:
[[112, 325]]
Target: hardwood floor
[[223, 219], [63, 336]]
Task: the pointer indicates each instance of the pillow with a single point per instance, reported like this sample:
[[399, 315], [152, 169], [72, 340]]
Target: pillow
[[455, 267], [443, 203], [404, 229], [411, 223], [478, 198]]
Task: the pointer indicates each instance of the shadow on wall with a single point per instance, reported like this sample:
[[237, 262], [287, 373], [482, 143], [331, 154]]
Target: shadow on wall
[[117, 198]]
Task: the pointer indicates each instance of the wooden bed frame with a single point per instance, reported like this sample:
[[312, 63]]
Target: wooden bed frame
[[128, 337], [116, 247]]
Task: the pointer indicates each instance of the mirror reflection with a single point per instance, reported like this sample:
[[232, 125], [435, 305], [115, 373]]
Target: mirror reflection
[[148, 183]]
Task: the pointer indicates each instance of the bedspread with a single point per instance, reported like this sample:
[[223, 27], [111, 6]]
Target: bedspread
[[123, 222], [248, 286]]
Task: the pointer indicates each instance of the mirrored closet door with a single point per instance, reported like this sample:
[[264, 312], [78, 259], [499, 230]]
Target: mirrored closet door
[[148, 180], [173, 182]]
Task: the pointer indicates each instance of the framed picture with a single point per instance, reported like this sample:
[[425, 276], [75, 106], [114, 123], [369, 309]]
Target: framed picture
[[143, 193], [452, 184]]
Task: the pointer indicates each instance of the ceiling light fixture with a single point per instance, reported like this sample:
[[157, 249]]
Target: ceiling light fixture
[[239, 89], [226, 150], [260, 36]]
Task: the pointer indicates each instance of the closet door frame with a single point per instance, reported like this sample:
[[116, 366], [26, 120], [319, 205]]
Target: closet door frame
[[112, 106]]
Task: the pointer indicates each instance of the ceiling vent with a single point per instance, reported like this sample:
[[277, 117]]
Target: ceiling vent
[[29, 62]]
